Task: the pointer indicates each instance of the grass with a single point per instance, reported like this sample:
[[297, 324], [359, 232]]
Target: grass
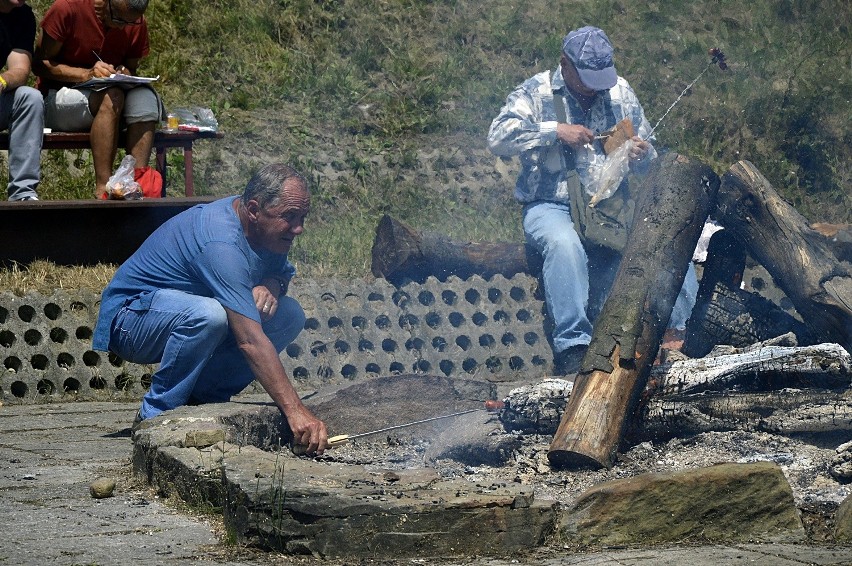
[[333, 84]]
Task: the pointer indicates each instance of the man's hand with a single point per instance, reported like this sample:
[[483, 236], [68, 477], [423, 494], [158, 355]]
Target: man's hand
[[308, 431], [574, 135], [101, 70], [265, 300], [640, 148]]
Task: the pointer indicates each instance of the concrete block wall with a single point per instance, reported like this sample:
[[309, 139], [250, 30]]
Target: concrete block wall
[[489, 329]]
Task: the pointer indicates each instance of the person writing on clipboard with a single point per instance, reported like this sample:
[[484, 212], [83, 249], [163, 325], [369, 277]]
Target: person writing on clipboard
[[90, 39]]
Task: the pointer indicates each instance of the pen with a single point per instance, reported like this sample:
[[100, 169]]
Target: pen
[[95, 53]]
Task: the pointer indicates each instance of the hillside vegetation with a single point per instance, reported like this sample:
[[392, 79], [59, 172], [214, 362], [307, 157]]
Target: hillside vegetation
[[333, 84]]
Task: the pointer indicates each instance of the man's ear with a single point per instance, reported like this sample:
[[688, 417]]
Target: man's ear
[[253, 210]]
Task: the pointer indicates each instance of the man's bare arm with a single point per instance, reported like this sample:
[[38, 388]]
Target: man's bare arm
[[44, 65], [17, 72], [266, 366]]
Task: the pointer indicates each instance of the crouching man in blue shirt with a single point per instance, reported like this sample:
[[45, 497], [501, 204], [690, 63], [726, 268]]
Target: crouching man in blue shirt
[[205, 296]]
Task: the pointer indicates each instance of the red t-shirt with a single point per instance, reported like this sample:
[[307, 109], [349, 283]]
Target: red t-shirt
[[74, 24]]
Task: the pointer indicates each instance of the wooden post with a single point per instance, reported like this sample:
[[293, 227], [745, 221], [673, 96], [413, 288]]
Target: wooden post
[[674, 201], [797, 257]]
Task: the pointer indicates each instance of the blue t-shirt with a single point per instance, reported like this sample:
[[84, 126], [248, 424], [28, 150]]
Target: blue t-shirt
[[202, 251]]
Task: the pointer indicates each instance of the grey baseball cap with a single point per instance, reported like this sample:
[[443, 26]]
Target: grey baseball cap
[[591, 52]]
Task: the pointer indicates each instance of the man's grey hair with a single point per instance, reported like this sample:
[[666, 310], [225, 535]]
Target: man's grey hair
[[265, 186], [137, 5]]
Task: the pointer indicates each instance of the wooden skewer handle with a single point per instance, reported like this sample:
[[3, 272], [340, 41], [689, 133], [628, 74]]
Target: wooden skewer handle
[[339, 440]]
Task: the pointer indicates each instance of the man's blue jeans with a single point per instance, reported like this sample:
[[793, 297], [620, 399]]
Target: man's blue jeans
[[550, 231], [22, 112], [198, 354]]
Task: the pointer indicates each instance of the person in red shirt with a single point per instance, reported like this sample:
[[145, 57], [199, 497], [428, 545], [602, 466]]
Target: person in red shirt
[[85, 39]]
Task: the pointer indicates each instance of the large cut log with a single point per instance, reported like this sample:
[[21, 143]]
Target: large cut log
[[797, 257], [401, 253], [674, 200]]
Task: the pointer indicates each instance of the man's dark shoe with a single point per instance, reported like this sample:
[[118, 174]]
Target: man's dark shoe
[[568, 360]]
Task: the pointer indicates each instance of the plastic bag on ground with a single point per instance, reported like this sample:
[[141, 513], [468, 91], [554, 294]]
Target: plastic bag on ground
[[122, 185]]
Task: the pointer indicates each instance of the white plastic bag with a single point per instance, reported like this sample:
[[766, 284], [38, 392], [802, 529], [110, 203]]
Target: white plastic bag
[[122, 185], [613, 171]]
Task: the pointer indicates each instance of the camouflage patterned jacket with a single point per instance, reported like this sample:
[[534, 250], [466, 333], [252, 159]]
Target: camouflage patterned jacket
[[526, 126]]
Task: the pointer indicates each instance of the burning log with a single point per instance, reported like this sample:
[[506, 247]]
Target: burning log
[[400, 253], [628, 331], [797, 257]]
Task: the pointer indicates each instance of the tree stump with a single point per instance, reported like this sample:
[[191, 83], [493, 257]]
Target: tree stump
[[673, 202], [797, 257]]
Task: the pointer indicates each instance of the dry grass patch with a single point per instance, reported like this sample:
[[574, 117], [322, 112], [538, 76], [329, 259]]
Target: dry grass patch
[[46, 277]]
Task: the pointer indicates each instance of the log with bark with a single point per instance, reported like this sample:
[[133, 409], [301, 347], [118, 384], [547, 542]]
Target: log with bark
[[402, 253], [673, 202], [807, 269]]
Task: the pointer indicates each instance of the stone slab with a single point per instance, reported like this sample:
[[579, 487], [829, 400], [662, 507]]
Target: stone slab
[[726, 502]]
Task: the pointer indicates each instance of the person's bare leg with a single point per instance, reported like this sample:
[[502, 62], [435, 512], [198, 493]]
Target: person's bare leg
[[140, 140], [106, 107]]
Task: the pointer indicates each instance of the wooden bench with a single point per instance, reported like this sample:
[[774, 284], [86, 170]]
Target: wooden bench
[[162, 141]]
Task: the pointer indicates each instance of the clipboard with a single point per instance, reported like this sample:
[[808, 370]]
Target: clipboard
[[118, 79]]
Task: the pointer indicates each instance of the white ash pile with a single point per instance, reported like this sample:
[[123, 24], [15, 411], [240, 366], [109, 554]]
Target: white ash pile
[[841, 465], [537, 408]]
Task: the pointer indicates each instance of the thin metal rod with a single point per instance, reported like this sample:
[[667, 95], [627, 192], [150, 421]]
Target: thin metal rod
[[689, 86], [381, 430]]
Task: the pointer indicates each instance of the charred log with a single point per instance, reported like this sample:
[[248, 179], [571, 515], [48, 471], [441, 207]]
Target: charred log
[[769, 387], [737, 318], [797, 257], [628, 331], [768, 368], [726, 314], [788, 413]]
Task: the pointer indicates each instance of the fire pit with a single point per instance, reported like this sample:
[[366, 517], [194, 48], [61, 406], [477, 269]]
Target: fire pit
[[372, 497]]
